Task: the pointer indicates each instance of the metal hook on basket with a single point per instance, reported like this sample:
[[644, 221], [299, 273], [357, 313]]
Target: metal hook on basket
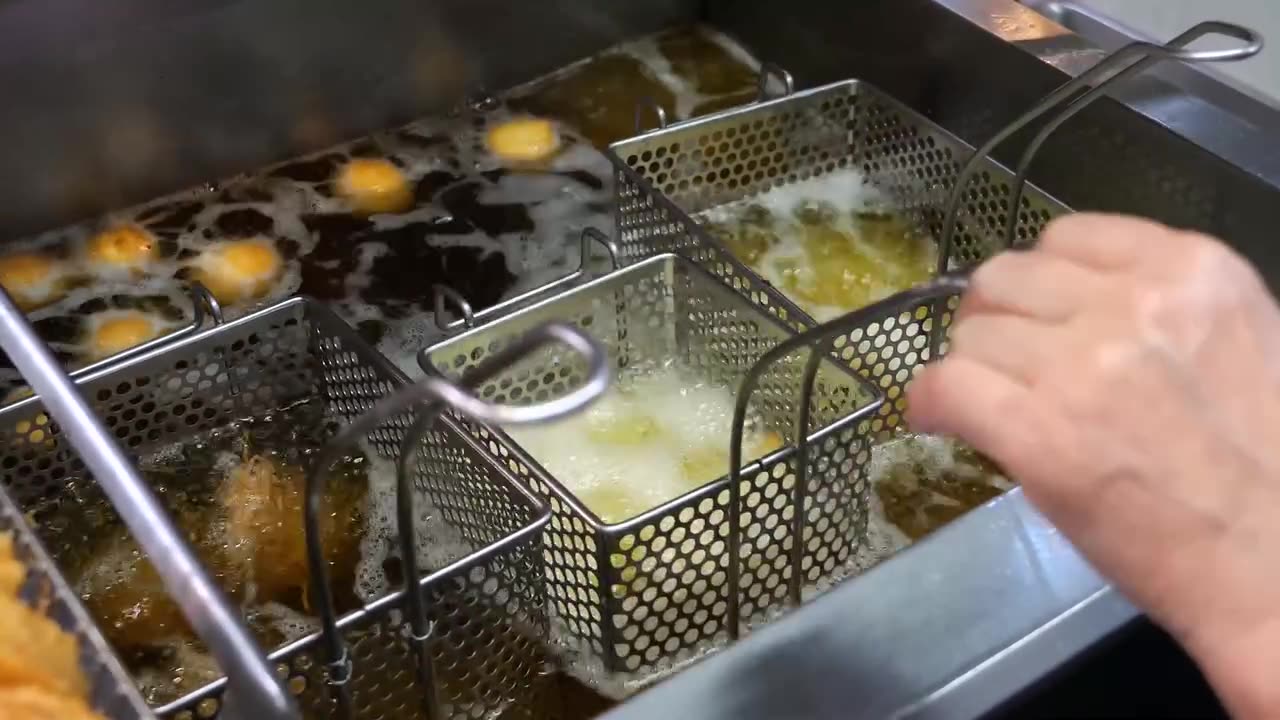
[[434, 393], [653, 107], [1147, 54], [1173, 50], [770, 71], [815, 339], [443, 294]]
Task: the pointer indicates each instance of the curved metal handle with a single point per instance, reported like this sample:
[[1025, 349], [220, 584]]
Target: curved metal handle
[[215, 620], [654, 108], [443, 294], [768, 71], [1147, 53], [435, 393], [1083, 100], [815, 340]]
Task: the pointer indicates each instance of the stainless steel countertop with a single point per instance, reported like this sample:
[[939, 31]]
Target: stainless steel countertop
[[951, 627], [1230, 120]]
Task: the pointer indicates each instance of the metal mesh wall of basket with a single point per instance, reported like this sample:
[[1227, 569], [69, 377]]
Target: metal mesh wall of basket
[[111, 692], [488, 606], [665, 177], [650, 591]]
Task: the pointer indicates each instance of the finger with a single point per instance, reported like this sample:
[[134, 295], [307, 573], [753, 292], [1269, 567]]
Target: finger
[[1030, 283], [994, 413], [1102, 241], [1014, 345]]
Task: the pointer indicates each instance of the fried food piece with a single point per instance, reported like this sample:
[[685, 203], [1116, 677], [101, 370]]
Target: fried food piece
[[126, 248], [239, 270], [265, 536], [125, 594], [374, 186], [32, 280], [12, 572], [35, 651], [116, 332], [123, 591], [525, 140], [26, 702]]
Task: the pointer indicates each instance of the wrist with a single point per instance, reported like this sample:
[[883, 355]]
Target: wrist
[[1239, 663]]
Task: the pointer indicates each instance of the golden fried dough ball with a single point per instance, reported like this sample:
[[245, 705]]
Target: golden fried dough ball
[[524, 140], [118, 331], [126, 247], [32, 280], [239, 270], [373, 186]]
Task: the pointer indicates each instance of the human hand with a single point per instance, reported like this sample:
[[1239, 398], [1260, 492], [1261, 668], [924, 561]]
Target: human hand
[[1128, 375]]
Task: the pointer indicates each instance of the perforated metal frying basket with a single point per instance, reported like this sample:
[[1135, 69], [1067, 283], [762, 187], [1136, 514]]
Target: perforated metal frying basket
[[668, 177], [111, 692], [645, 594], [487, 606]]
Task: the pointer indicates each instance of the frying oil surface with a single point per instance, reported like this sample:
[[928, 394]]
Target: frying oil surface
[[829, 243], [657, 434], [237, 495], [368, 227]]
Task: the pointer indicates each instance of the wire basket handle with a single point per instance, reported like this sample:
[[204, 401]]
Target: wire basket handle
[[253, 691], [443, 295], [769, 73], [1146, 54], [815, 339], [434, 393], [1173, 50]]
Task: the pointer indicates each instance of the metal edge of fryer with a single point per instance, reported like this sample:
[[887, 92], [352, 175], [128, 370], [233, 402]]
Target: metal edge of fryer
[[952, 627]]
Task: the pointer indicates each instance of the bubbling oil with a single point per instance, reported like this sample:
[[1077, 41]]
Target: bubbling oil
[[236, 493], [923, 482], [830, 243], [655, 435]]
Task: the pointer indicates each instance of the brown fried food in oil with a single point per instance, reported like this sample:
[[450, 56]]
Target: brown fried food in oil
[[266, 540]]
